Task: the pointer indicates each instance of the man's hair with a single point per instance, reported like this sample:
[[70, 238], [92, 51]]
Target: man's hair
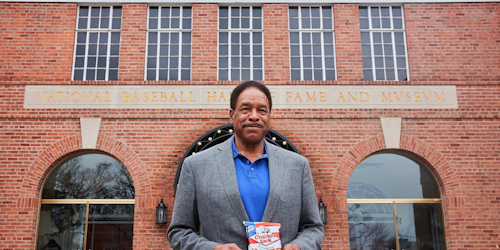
[[249, 84]]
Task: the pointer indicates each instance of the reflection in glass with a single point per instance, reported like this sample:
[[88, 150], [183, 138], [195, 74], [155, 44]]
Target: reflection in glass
[[110, 226], [371, 227], [420, 226], [61, 226], [395, 176], [89, 176], [381, 180]]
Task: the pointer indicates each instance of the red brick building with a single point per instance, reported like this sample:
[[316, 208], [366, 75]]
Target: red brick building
[[408, 92]]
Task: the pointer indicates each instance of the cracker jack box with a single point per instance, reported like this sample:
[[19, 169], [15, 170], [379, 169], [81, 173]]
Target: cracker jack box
[[263, 235]]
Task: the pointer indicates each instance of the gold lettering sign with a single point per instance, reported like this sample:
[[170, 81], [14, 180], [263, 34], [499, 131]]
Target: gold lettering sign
[[217, 96]]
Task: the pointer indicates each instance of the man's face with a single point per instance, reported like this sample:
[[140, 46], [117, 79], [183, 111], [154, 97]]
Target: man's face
[[62, 218], [250, 118]]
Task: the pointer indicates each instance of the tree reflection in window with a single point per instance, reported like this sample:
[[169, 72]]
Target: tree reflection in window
[[93, 190], [394, 203], [89, 176]]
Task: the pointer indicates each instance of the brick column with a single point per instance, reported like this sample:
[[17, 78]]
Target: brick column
[[276, 46], [348, 42], [133, 42], [204, 44]]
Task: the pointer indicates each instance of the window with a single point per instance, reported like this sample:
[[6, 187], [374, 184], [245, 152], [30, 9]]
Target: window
[[97, 44], [169, 43], [394, 203], [312, 48], [240, 43], [87, 203], [383, 45]]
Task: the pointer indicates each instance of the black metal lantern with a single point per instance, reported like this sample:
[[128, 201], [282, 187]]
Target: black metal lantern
[[161, 214], [322, 211]]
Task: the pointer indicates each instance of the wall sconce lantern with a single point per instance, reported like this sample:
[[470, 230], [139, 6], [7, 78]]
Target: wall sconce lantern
[[161, 214], [322, 211]]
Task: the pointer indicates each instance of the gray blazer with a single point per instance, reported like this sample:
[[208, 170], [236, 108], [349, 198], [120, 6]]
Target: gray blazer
[[208, 195]]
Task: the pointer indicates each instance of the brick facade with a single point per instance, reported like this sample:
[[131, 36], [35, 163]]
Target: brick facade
[[448, 44]]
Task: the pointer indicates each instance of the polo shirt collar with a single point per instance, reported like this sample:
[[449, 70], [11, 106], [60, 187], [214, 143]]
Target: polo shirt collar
[[236, 152]]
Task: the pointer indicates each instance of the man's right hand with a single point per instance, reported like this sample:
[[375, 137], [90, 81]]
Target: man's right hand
[[231, 246]]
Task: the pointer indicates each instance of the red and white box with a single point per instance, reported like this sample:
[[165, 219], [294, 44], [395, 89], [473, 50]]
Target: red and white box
[[263, 235]]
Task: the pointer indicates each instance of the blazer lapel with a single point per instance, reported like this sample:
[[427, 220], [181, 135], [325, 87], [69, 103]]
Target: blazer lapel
[[276, 170], [227, 172]]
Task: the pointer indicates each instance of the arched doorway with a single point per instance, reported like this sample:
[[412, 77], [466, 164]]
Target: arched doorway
[[394, 202], [222, 133]]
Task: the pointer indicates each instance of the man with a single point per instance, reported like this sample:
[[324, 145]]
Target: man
[[245, 179]]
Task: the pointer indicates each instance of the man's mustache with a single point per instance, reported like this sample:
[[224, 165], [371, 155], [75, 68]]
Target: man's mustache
[[253, 125]]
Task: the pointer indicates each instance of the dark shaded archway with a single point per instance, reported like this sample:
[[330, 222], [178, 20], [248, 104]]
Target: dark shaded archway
[[222, 133]]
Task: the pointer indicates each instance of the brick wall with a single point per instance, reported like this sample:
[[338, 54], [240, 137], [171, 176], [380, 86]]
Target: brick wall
[[448, 44]]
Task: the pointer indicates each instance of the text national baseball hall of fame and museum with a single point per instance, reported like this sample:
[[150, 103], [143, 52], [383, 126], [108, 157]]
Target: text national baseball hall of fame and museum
[[217, 96]]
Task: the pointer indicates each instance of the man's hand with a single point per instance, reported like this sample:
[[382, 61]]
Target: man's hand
[[231, 246], [291, 246]]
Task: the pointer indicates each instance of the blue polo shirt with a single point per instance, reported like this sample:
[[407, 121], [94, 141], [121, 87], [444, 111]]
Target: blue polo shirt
[[253, 183]]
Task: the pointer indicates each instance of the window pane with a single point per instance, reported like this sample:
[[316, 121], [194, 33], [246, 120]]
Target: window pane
[[223, 75], [307, 75], [116, 23], [390, 74], [84, 11], [91, 62], [257, 75], [295, 62], [163, 62], [368, 75], [420, 224], [364, 23], [367, 62], [89, 176], [174, 75], [152, 50], [396, 11], [61, 226], [295, 74], [389, 62], [294, 23], [293, 11], [110, 226], [113, 75], [185, 75], [391, 175], [330, 75], [379, 74], [398, 23], [91, 74], [371, 226], [235, 74], [402, 76], [101, 74], [151, 75], [79, 61]]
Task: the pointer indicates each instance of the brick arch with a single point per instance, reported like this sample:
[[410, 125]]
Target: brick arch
[[445, 176], [55, 153]]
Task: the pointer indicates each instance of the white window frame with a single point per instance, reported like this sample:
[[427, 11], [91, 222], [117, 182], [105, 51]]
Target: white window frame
[[381, 30], [180, 31], [322, 30], [238, 31], [99, 31]]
